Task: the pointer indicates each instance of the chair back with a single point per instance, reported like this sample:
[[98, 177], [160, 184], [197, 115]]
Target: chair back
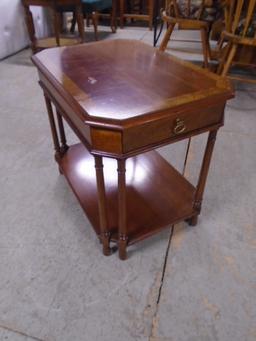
[[193, 9], [240, 17]]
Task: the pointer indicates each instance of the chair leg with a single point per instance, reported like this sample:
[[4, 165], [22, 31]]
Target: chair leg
[[30, 27], [231, 56], [220, 43], [73, 23], [223, 57], [209, 51], [95, 17], [204, 38], [61, 29], [57, 21], [166, 37], [113, 24], [121, 13], [80, 22], [87, 20], [150, 14]]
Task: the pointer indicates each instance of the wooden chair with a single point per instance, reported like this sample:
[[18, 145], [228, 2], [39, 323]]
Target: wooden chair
[[126, 12], [56, 6], [189, 15], [238, 41], [94, 9]]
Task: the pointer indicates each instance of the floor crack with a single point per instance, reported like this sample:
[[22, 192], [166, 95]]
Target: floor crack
[[20, 333], [164, 265], [154, 319]]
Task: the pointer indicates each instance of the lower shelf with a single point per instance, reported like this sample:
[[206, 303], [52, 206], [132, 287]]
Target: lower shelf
[[157, 195]]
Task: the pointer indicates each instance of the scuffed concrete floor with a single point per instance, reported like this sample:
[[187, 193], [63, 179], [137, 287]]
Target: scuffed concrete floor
[[185, 284]]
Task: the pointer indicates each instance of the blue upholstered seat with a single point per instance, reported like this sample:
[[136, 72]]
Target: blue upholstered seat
[[90, 6], [93, 8]]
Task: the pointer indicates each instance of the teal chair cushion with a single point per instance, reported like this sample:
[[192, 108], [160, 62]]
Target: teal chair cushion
[[96, 5]]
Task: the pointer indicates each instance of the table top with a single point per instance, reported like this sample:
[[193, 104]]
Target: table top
[[122, 80]]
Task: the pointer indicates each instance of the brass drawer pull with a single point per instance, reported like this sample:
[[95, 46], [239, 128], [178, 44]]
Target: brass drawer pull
[[179, 127]]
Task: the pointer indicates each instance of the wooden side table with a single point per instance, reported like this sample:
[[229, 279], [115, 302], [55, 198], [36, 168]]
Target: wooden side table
[[123, 99], [57, 39], [145, 17]]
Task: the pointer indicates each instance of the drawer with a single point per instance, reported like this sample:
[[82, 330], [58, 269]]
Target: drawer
[[171, 128]]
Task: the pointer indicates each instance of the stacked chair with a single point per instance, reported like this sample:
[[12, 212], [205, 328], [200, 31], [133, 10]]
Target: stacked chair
[[237, 45], [191, 15]]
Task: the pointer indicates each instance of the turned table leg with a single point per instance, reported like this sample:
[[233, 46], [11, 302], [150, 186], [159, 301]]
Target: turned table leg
[[122, 228], [64, 146], [193, 220], [55, 138], [104, 233], [203, 176]]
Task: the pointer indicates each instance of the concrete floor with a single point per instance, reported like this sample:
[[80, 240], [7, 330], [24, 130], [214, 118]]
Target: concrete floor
[[185, 284]]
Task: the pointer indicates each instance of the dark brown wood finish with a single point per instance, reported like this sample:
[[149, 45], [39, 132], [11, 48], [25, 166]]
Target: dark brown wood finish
[[122, 221], [146, 174], [103, 215], [53, 129], [123, 98], [203, 176], [64, 146]]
